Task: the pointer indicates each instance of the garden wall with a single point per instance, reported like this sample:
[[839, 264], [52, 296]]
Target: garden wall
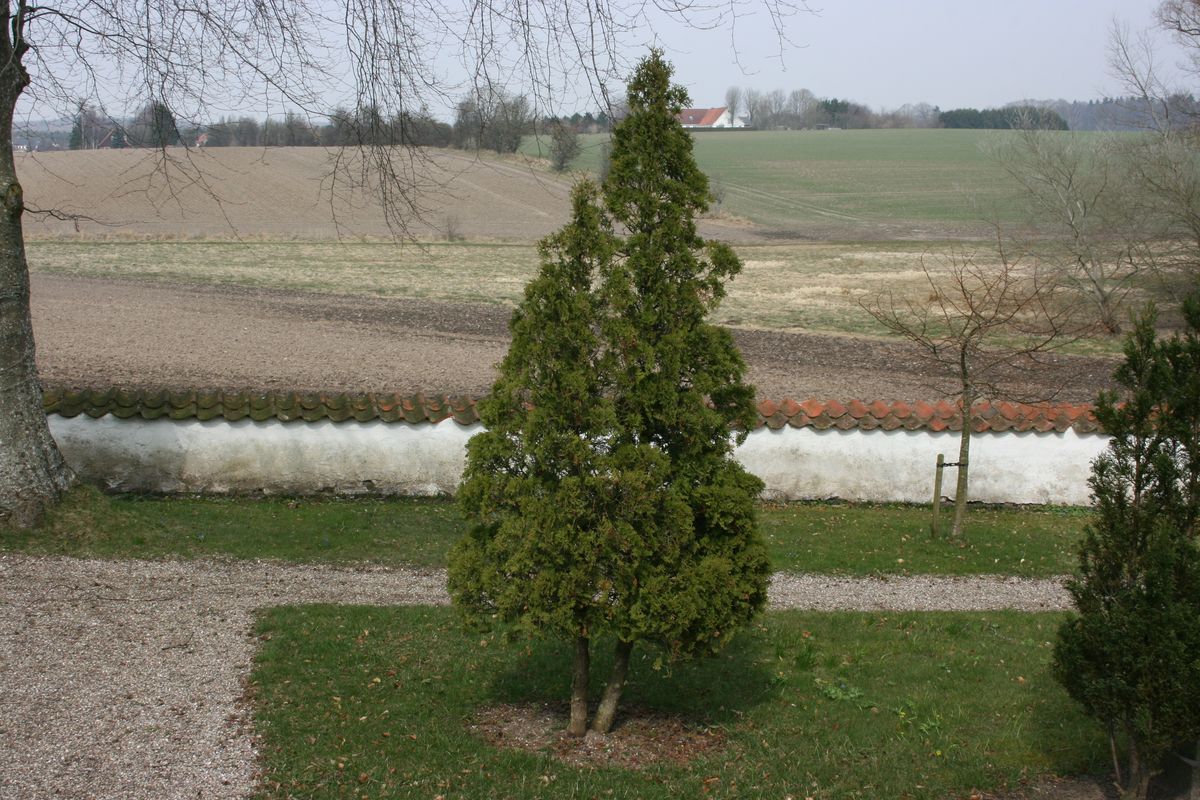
[[210, 442]]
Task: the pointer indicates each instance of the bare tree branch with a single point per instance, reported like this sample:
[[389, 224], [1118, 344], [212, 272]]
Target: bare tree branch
[[984, 324]]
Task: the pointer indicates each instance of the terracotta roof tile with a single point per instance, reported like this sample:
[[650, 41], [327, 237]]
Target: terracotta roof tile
[[845, 422], [822, 422], [985, 410], [202, 404], [999, 424], [813, 407], [945, 409]]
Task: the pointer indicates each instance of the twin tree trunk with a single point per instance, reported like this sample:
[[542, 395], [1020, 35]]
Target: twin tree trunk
[[33, 475], [606, 713]]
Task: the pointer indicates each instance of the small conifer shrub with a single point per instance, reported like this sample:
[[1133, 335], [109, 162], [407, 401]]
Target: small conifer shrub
[[1131, 656], [604, 494]]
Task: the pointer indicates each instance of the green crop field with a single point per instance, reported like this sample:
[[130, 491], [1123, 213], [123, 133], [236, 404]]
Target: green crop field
[[852, 184]]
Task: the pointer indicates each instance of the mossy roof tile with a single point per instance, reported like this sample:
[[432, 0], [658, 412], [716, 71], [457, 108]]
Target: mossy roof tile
[[183, 399]]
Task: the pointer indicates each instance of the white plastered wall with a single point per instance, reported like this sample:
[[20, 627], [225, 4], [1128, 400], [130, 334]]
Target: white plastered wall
[[427, 459], [273, 457], [795, 463]]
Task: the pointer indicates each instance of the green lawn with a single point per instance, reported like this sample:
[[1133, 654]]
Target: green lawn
[[844, 178], [369, 702], [843, 539]]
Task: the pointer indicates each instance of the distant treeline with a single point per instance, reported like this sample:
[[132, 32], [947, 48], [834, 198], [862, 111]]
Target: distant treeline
[[801, 108], [498, 121], [1007, 118]]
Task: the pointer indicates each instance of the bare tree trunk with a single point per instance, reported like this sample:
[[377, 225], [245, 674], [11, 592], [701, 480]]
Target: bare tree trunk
[[579, 688], [607, 712], [33, 474], [964, 452]]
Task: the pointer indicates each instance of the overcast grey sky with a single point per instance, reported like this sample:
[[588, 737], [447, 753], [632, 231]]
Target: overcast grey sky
[[949, 53], [884, 53]]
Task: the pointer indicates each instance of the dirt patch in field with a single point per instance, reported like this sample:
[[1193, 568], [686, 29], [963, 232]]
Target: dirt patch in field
[[95, 331], [640, 739]]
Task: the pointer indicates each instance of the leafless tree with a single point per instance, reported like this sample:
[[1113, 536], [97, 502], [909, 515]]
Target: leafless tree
[[800, 102], [1091, 231], [90, 128], [984, 324], [733, 101], [1163, 167], [193, 57], [756, 107]]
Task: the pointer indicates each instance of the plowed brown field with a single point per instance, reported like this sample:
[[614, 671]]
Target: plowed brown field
[[99, 331], [96, 329], [295, 192]]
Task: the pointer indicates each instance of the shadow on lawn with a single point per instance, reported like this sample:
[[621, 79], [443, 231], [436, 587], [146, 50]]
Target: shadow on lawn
[[715, 690]]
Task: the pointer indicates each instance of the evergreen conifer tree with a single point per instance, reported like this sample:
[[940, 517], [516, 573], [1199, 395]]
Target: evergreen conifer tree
[[75, 141], [1132, 655], [604, 494]]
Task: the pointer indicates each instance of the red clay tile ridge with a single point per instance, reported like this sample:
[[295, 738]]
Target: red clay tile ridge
[[989, 416], [854, 414]]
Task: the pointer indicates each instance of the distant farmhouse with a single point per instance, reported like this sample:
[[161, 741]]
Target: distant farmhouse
[[709, 118]]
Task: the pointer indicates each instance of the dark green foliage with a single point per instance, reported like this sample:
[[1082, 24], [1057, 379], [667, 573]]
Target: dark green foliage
[[604, 493], [1132, 656], [1010, 118], [153, 126]]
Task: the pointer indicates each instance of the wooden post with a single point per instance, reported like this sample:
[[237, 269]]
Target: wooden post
[[937, 495]]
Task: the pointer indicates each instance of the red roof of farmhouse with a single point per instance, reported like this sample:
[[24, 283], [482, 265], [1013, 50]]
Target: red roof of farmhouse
[[202, 404], [700, 117]]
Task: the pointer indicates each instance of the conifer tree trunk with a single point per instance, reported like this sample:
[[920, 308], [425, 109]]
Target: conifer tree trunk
[[1194, 792], [579, 687], [606, 714], [33, 474]]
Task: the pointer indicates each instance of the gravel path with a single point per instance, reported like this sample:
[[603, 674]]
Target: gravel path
[[124, 679]]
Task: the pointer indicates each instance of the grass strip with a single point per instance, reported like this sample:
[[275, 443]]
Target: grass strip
[[355, 702], [829, 538]]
